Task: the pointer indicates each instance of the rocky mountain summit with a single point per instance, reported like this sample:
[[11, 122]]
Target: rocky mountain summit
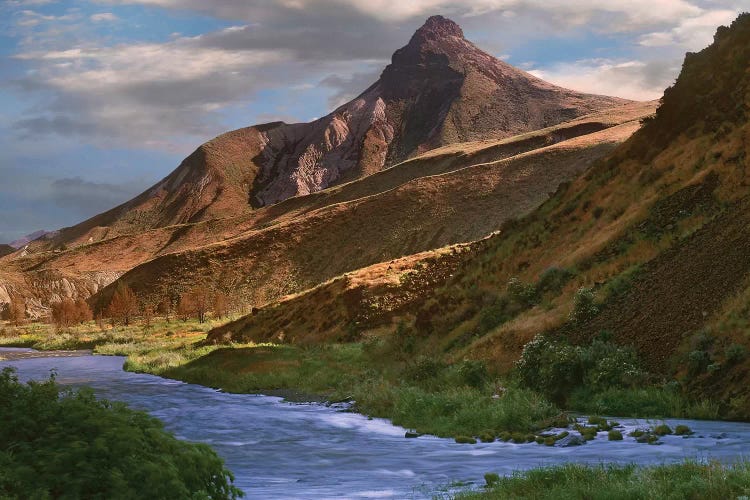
[[439, 89]]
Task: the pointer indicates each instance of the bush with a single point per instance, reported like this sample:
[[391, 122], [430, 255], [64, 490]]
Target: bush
[[549, 366], [60, 443], [614, 435], [524, 294], [662, 430], [553, 280], [491, 479], [465, 440], [584, 306], [556, 368], [424, 368], [682, 430], [735, 353], [473, 373], [698, 361]]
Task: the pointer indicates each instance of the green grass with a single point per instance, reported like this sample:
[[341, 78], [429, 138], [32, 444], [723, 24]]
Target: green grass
[[682, 481], [648, 402]]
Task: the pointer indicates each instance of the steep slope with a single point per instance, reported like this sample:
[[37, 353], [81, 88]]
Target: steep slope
[[421, 214], [658, 230], [94, 263], [439, 89], [6, 250]]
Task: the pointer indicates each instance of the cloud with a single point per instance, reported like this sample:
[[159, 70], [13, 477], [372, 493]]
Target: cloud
[[103, 17], [629, 79], [86, 198], [347, 88], [692, 33]]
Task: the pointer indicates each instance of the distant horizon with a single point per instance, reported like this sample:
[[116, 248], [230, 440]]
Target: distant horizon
[[104, 99]]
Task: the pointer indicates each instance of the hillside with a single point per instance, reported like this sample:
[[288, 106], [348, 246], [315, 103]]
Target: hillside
[[537, 162], [439, 89], [658, 230]]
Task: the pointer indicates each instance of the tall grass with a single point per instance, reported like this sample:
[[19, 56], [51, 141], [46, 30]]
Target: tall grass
[[689, 480]]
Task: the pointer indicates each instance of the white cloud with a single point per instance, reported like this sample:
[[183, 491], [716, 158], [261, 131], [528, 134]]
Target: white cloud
[[629, 79], [691, 33], [103, 17]]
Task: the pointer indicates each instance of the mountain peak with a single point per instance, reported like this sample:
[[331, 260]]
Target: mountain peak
[[439, 27]]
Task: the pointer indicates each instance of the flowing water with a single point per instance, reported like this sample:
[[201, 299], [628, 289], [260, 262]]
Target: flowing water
[[283, 450]]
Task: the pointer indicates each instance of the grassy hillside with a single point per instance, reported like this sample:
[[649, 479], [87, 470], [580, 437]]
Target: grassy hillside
[[656, 234]]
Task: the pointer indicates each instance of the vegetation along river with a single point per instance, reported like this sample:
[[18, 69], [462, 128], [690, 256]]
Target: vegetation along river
[[283, 450]]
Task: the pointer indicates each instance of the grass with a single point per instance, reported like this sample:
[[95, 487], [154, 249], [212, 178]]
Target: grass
[[688, 480], [646, 402], [424, 392]]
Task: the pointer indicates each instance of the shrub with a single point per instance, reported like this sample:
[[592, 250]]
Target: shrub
[[682, 430], [553, 280], [494, 315], [465, 440], [473, 373], [614, 435], [491, 479], [550, 366], [662, 430], [555, 368], [735, 353], [524, 294], [68, 444], [584, 306], [424, 368], [698, 361]]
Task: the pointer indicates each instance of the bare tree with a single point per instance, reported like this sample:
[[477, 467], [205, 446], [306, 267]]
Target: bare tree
[[195, 303], [83, 311], [17, 312], [220, 305], [124, 304], [64, 313], [148, 315]]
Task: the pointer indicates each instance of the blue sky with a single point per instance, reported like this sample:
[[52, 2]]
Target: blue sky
[[99, 99]]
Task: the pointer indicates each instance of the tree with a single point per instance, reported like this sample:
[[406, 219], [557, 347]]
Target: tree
[[124, 304], [148, 314], [17, 312], [195, 303], [83, 311], [64, 313], [220, 305], [165, 309]]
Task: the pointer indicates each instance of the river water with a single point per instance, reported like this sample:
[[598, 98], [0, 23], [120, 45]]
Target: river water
[[283, 450]]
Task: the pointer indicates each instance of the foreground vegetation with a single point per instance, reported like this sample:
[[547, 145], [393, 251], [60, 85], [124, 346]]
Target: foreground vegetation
[[65, 444], [712, 481], [427, 393]]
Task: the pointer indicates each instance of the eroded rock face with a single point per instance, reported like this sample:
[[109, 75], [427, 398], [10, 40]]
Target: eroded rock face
[[439, 89]]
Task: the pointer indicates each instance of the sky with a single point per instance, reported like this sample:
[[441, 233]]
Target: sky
[[99, 99]]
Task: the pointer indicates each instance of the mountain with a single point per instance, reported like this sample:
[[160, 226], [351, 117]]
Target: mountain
[[6, 250], [22, 242], [200, 225], [658, 230], [439, 89]]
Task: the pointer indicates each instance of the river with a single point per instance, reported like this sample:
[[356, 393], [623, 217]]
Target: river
[[311, 451]]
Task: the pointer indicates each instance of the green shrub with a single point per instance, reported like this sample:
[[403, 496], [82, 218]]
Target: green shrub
[[698, 361], [662, 430], [553, 280], [522, 293], [555, 368], [473, 373], [56, 443], [614, 435], [424, 368], [735, 353], [491, 479], [682, 430], [487, 437], [465, 440], [584, 306], [494, 315]]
